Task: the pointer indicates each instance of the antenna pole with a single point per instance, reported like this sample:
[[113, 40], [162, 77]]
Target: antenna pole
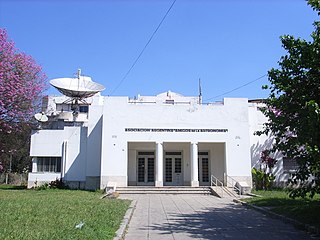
[[200, 92], [79, 73]]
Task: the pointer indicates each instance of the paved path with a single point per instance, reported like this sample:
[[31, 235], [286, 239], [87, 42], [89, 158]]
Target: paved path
[[184, 217]]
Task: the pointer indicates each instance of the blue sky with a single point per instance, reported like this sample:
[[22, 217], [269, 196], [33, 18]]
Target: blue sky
[[225, 43]]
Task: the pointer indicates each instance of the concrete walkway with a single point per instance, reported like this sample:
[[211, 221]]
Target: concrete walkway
[[159, 216]]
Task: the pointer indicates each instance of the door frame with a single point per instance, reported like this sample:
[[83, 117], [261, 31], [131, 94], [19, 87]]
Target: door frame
[[146, 156], [174, 175], [200, 168]]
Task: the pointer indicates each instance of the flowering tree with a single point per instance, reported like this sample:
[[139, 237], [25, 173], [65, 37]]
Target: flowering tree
[[21, 85], [293, 108]]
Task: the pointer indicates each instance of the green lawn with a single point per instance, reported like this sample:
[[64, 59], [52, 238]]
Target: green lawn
[[53, 214], [304, 210]]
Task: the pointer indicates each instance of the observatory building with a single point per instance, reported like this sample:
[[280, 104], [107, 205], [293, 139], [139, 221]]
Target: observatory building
[[92, 141]]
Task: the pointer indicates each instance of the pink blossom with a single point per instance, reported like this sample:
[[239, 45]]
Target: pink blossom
[[21, 85], [276, 112]]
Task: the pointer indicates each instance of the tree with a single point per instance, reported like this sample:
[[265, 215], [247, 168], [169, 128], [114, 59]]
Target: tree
[[293, 108], [21, 85], [15, 145]]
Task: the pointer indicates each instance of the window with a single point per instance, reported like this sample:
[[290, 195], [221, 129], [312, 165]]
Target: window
[[146, 153], [84, 109], [289, 164], [169, 101], [48, 164], [173, 153], [203, 153]]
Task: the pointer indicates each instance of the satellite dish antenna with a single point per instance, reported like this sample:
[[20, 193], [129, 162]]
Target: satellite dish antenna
[[77, 88], [41, 117]]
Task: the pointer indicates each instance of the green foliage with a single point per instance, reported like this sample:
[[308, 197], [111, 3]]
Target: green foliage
[[262, 180], [44, 186], [305, 210], [315, 4], [293, 108], [15, 146], [58, 183], [54, 213], [12, 187]]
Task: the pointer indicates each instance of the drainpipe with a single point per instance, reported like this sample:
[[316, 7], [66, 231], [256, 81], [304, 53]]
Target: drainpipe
[[64, 159]]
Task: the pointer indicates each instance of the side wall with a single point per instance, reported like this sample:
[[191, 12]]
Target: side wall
[[93, 157], [264, 142]]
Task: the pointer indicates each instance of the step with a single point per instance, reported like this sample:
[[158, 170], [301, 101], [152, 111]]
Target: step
[[164, 190]]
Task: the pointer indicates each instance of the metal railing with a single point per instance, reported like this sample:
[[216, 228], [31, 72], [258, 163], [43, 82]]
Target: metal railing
[[217, 183], [232, 183]]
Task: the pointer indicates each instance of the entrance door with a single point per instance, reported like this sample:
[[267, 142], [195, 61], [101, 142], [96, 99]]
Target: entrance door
[[173, 169], [145, 168], [203, 159]]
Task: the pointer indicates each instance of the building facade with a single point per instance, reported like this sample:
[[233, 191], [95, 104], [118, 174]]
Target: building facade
[[163, 140]]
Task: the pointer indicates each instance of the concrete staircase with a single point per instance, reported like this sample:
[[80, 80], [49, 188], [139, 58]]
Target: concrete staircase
[[164, 190]]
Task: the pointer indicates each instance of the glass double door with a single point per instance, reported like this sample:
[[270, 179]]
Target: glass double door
[[146, 168], [203, 161], [173, 169]]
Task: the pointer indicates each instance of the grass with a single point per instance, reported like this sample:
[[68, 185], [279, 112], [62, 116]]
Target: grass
[[53, 214], [303, 210], [12, 187]]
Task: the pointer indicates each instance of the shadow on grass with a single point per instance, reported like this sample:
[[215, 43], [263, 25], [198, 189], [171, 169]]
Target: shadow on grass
[[304, 210], [12, 187], [271, 202]]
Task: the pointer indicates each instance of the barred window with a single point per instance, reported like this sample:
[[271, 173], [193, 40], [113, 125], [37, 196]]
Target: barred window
[[48, 164], [289, 164]]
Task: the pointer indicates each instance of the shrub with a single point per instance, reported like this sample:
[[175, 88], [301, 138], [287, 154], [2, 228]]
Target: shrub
[[42, 187], [58, 183], [262, 180]]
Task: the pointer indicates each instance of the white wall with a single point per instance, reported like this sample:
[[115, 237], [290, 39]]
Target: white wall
[[49, 143], [217, 158], [264, 142], [94, 141], [37, 179], [83, 158], [101, 149], [118, 114], [133, 148]]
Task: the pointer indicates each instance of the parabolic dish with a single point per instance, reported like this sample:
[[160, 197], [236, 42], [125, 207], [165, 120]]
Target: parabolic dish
[[82, 87], [41, 117]]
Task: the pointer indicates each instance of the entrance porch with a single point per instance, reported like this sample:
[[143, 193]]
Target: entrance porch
[[174, 163]]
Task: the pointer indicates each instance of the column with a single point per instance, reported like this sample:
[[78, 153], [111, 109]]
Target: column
[[194, 165], [159, 164], [34, 164]]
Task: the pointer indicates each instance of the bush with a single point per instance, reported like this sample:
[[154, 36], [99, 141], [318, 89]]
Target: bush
[[58, 183], [42, 187], [262, 180]]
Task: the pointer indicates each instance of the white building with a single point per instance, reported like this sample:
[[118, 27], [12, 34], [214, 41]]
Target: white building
[[163, 140]]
